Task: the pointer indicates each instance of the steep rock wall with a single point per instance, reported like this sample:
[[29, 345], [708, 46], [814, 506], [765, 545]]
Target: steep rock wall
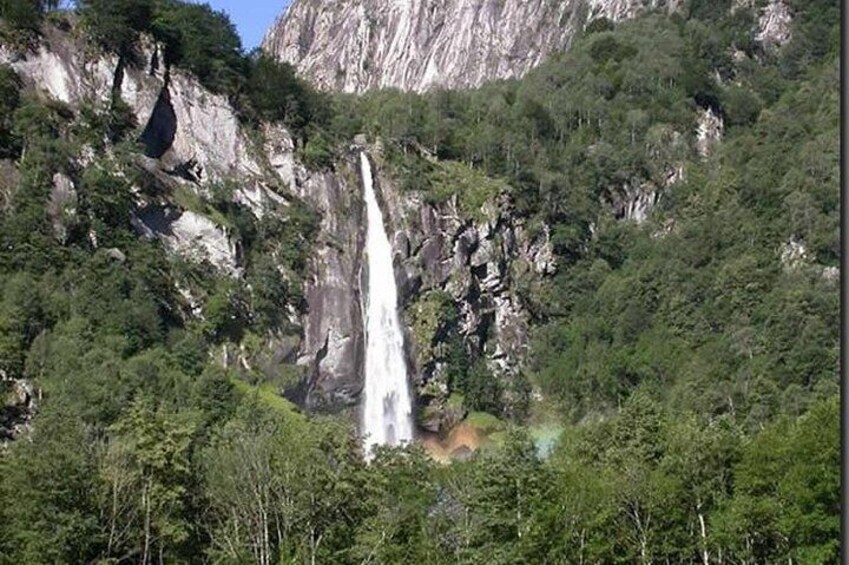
[[461, 275], [358, 45], [333, 346], [193, 140], [476, 263]]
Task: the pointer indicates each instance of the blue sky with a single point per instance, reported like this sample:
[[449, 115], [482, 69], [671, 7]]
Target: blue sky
[[252, 17]]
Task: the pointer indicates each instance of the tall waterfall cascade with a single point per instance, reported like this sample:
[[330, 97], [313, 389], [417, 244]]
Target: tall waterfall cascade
[[387, 409]]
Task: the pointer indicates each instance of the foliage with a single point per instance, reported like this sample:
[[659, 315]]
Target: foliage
[[694, 372], [202, 41], [429, 317], [22, 19], [10, 99], [276, 94], [116, 25], [480, 389], [473, 190], [317, 153]]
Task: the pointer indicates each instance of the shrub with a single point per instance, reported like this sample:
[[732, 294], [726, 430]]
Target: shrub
[[276, 94], [202, 41], [22, 18], [115, 25], [10, 99], [740, 106]]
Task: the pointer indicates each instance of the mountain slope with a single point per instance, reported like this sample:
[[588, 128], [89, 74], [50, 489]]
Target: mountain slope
[[359, 45], [180, 241]]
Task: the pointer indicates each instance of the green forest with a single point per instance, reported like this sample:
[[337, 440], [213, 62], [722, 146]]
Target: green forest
[[695, 373]]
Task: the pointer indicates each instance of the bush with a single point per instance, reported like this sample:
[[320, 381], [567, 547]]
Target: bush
[[269, 292], [22, 18], [108, 201], [202, 41], [276, 94], [599, 25], [481, 389], [317, 152], [10, 99], [740, 107], [226, 312], [608, 48], [115, 25], [121, 120]]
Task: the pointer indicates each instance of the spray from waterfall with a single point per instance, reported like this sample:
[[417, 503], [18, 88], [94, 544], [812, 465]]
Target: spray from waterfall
[[387, 409]]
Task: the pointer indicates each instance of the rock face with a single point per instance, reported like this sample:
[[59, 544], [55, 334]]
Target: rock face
[[708, 131], [62, 205], [460, 275], [193, 140], [333, 349], [187, 128], [774, 24], [774, 20], [474, 265], [357, 45], [18, 404], [191, 235]]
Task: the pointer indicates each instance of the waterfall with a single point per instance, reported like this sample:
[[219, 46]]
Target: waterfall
[[387, 411]]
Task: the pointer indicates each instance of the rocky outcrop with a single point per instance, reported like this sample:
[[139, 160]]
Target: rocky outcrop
[[635, 199], [19, 404], [795, 257], [193, 141], [184, 126], [635, 203], [192, 236], [774, 24], [192, 137], [774, 19], [708, 131], [333, 349], [358, 45], [62, 206], [196, 132], [460, 275]]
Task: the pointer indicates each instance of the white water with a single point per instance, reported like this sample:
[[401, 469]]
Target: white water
[[387, 411]]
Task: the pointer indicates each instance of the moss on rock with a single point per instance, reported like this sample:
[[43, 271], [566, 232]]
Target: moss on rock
[[428, 317]]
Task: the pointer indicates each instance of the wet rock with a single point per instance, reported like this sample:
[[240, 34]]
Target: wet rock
[[473, 264], [333, 347], [462, 453]]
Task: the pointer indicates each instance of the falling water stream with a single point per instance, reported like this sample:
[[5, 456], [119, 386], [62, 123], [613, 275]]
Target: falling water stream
[[387, 411]]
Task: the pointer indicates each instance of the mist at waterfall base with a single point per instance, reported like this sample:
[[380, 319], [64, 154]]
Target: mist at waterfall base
[[387, 408]]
